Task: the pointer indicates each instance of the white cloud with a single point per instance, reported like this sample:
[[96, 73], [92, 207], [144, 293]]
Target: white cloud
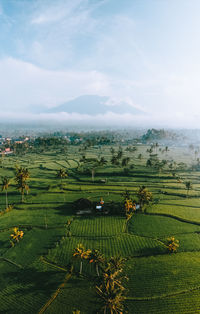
[[119, 101], [104, 120], [57, 11], [23, 84]]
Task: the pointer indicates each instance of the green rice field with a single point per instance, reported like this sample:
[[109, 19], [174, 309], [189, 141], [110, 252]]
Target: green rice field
[[34, 273]]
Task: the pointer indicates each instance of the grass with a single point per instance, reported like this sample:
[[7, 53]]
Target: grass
[[158, 226], [188, 213], [179, 272]]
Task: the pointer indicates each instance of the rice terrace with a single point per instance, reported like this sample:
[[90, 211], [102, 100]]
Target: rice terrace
[[99, 223]]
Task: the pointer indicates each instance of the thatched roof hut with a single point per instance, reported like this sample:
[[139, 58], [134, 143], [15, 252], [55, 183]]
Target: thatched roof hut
[[83, 203]]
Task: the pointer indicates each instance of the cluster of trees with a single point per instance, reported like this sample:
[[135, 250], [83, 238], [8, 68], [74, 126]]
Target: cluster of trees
[[144, 198], [158, 135], [143, 195], [111, 290], [117, 157], [154, 162], [110, 278]]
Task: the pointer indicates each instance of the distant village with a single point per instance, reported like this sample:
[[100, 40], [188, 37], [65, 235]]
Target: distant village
[[39, 141], [8, 144]]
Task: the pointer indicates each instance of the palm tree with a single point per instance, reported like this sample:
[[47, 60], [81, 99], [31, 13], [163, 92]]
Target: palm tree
[[119, 153], [22, 186], [114, 160], [129, 215], [126, 194], [61, 173], [22, 174], [144, 196], [111, 290], [112, 300], [116, 263], [68, 227], [188, 186], [125, 161], [102, 161], [129, 206], [97, 258], [5, 185], [16, 235], [81, 253], [172, 245], [149, 163]]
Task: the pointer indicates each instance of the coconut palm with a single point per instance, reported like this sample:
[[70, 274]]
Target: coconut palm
[[112, 300], [116, 263], [144, 196], [68, 227], [112, 274], [188, 186], [149, 163], [16, 235], [126, 194], [22, 186], [22, 174], [129, 215], [172, 245], [125, 161], [61, 173], [129, 206], [111, 290], [119, 153], [114, 160], [102, 161], [97, 258], [5, 186], [81, 253]]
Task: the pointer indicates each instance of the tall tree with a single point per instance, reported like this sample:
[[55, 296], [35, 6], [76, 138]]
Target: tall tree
[[188, 186], [172, 245], [144, 196], [125, 161], [111, 289], [22, 174], [61, 173], [97, 259], [16, 235], [81, 253]]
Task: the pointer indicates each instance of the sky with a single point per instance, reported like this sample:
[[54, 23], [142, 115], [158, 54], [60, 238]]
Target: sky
[[142, 52]]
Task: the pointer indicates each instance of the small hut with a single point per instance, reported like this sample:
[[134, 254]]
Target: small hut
[[83, 206]]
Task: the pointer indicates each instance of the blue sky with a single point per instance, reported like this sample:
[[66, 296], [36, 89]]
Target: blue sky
[[142, 52]]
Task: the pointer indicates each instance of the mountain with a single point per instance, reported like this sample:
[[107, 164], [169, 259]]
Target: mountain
[[93, 105]]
